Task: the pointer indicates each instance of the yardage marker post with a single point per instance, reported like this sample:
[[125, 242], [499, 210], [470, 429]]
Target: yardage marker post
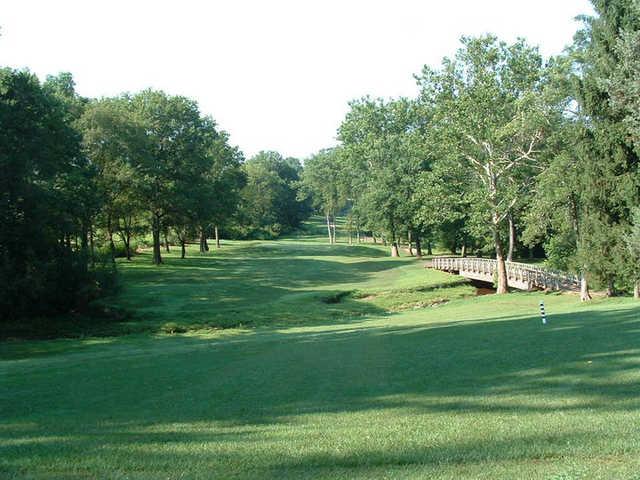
[[542, 314]]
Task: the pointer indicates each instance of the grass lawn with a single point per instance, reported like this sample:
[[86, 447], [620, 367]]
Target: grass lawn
[[377, 385]]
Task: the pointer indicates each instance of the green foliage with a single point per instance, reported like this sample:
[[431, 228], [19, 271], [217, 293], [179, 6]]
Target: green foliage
[[488, 120], [382, 152], [321, 182], [585, 197], [269, 200], [46, 188]]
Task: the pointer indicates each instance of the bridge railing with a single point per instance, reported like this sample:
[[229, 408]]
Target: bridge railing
[[524, 273]]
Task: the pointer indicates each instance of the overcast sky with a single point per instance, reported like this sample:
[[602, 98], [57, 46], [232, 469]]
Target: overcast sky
[[275, 74]]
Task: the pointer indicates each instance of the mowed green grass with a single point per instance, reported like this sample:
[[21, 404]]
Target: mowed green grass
[[474, 388], [268, 283]]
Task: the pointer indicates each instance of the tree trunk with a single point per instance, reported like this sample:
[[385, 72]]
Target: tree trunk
[[166, 241], [183, 248], [373, 235], [410, 243], [333, 229], [610, 288], [126, 239], [512, 238], [429, 250], [215, 229], [157, 257], [84, 239], [204, 246], [329, 230], [503, 286], [112, 246], [584, 289], [394, 241], [92, 246], [125, 236], [418, 247], [463, 251], [636, 290]]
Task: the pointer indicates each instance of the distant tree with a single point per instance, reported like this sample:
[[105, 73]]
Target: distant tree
[[382, 160], [269, 204], [115, 143], [176, 158], [609, 180], [321, 182], [219, 193], [444, 205]]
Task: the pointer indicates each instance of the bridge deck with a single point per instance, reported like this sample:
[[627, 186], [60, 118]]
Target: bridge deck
[[519, 275]]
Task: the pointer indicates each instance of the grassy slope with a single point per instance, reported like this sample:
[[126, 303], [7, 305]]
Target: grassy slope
[[271, 282], [477, 388]]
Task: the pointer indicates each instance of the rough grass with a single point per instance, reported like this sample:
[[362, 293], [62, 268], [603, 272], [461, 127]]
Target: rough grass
[[475, 388]]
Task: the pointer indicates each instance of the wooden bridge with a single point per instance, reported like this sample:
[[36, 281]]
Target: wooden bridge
[[519, 275]]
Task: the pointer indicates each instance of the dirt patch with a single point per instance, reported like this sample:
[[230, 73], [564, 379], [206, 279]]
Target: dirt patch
[[483, 288], [485, 291]]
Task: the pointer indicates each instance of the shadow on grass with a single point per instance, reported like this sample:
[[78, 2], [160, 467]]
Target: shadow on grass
[[579, 362], [585, 361], [354, 369]]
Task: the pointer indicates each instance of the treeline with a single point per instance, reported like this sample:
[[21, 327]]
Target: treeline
[[504, 153], [86, 180]]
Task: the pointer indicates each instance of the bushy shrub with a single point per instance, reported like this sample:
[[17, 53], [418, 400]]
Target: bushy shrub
[[63, 282], [120, 250]]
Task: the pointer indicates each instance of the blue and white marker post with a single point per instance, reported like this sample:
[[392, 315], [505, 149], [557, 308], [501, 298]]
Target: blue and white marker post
[[542, 314]]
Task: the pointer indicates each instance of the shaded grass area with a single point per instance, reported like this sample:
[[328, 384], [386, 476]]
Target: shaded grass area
[[477, 388]]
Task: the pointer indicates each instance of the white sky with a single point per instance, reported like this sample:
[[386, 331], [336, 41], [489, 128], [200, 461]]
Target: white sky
[[275, 74]]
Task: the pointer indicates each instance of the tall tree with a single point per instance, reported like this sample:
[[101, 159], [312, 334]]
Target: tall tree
[[489, 116], [219, 194], [175, 159], [42, 267], [270, 204], [609, 180]]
